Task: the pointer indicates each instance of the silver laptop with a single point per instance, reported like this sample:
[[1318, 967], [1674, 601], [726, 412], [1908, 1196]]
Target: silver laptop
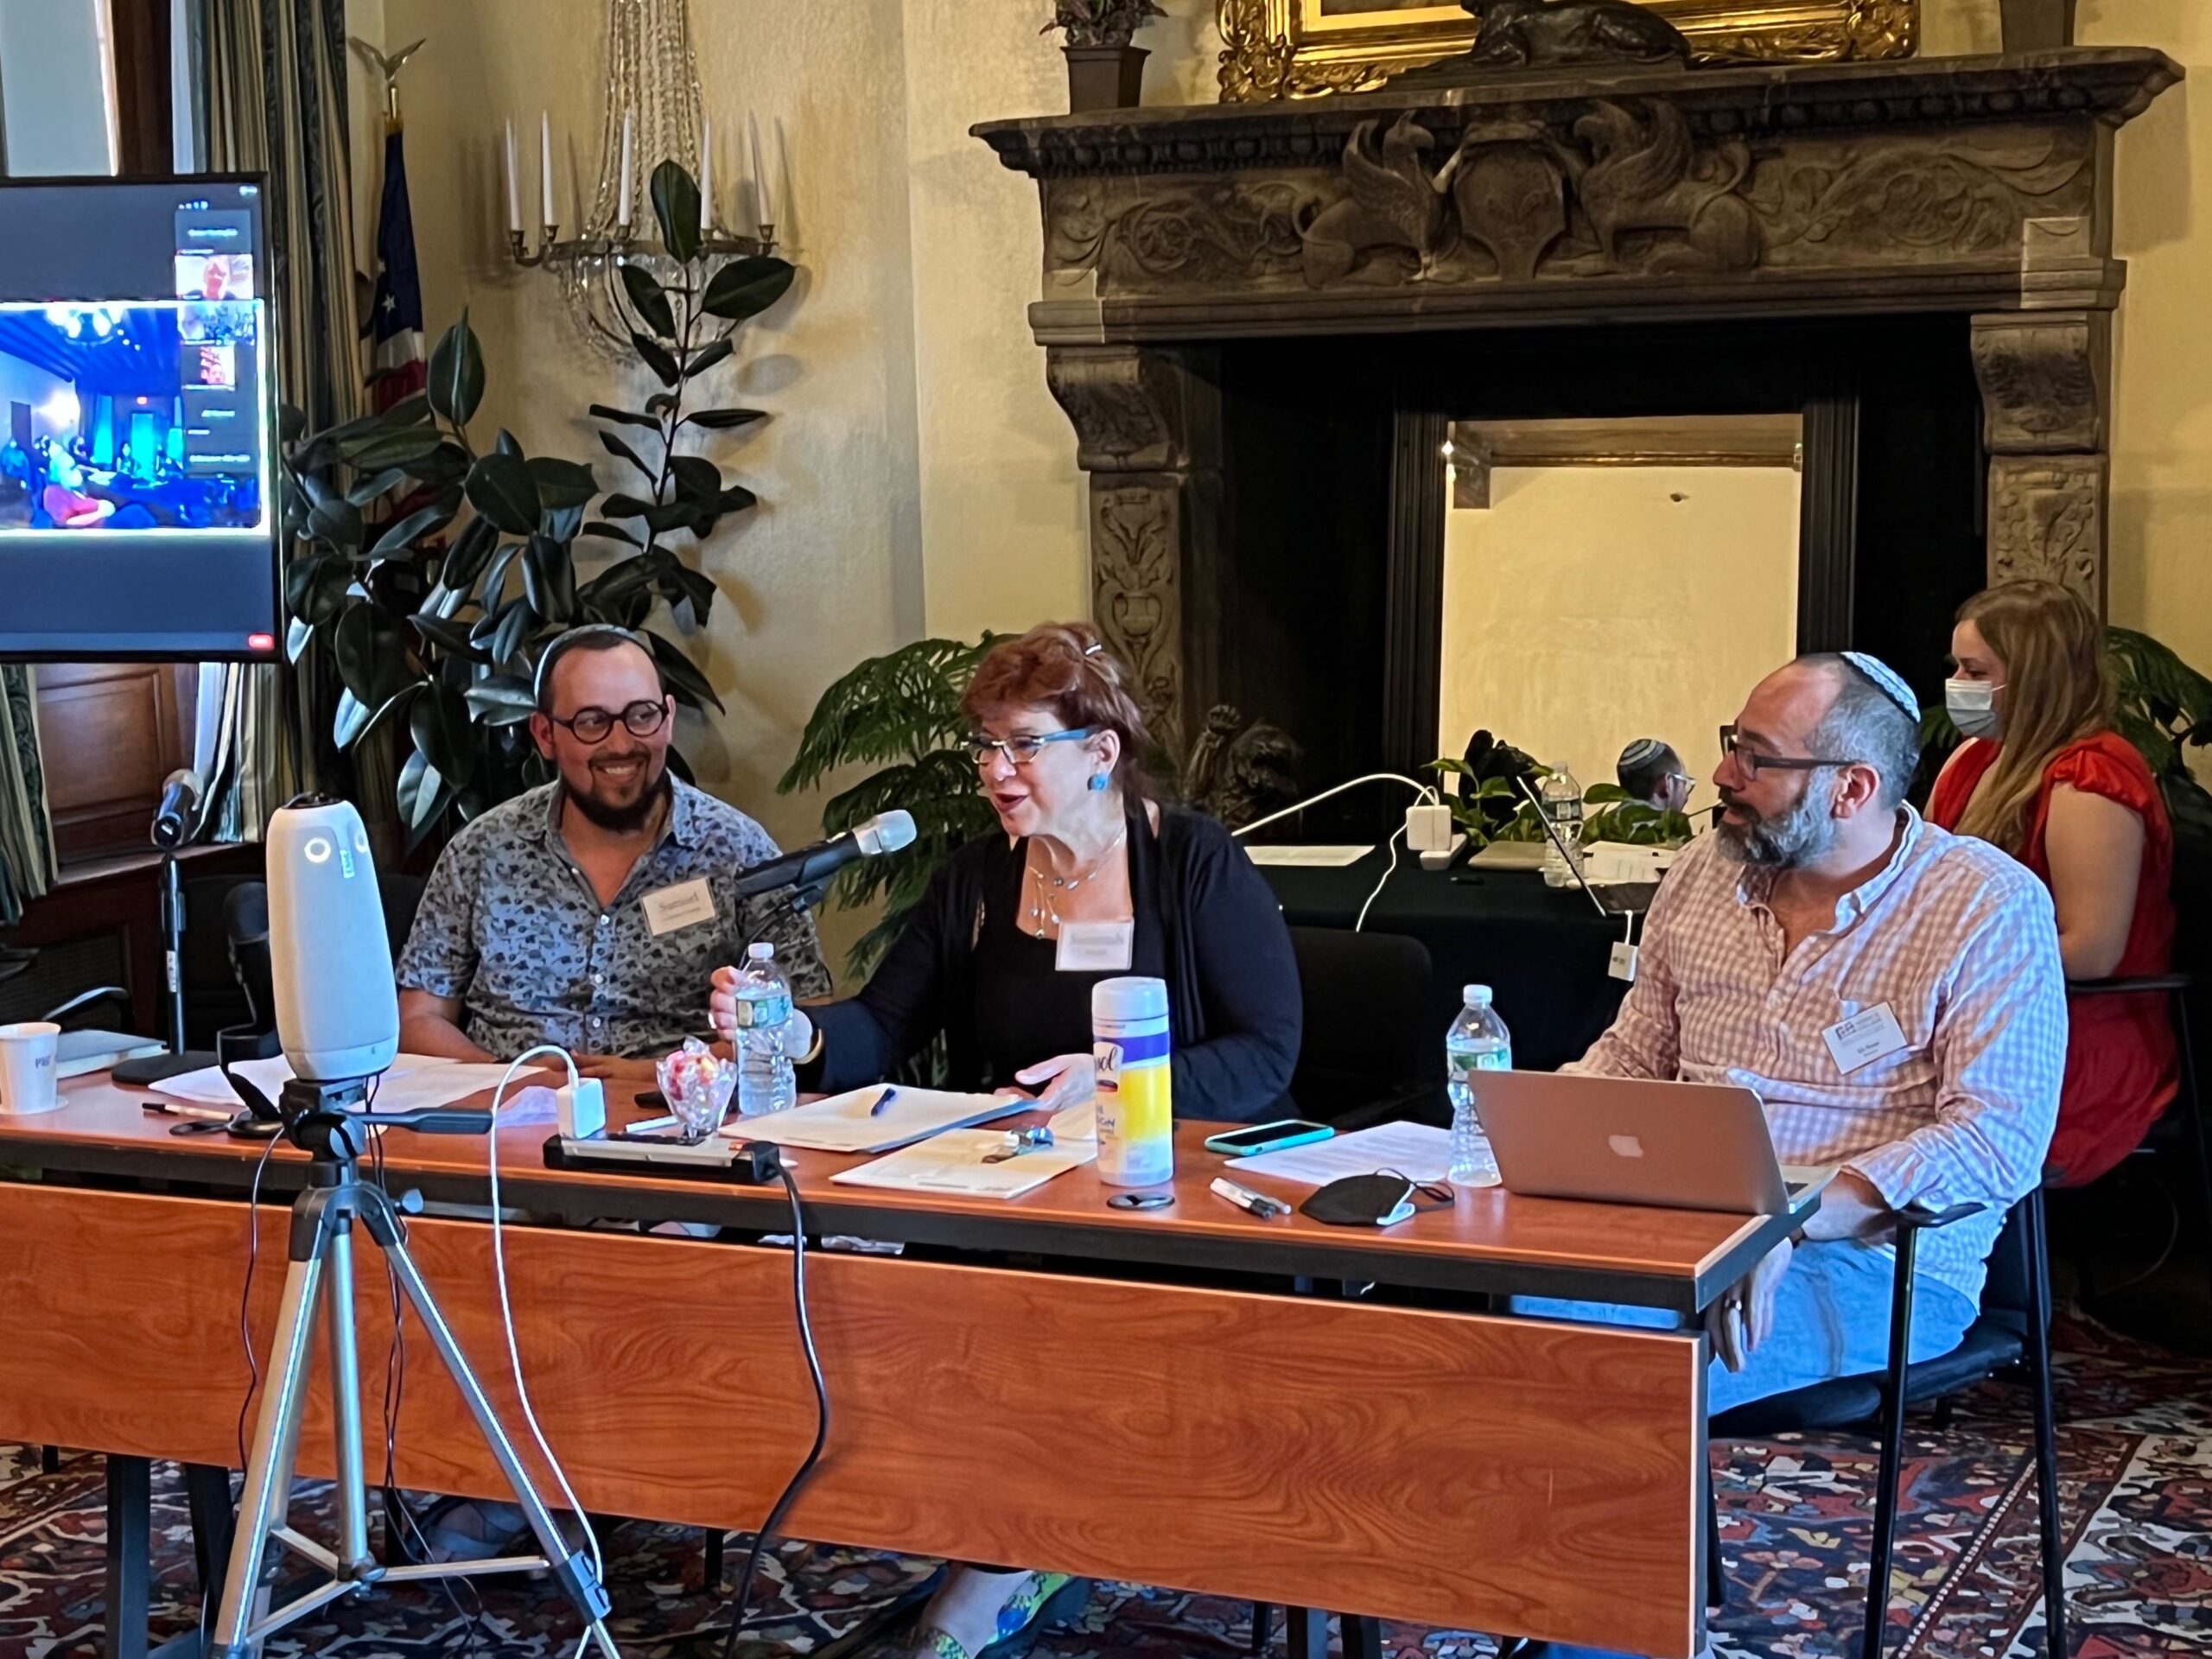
[[1681, 1146]]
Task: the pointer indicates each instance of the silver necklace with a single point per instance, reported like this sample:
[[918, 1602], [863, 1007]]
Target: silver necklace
[[1045, 905]]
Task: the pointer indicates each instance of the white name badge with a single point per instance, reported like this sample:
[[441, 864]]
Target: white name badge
[[1864, 1038], [1096, 947], [685, 904]]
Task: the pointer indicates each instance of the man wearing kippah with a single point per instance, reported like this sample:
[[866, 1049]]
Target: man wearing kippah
[[590, 912], [1893, 993], [1653, 775]]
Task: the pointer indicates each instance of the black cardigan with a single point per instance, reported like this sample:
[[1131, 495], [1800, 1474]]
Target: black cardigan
[[1232, 983]]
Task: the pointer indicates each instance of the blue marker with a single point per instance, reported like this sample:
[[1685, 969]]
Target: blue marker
[[883, 1100]]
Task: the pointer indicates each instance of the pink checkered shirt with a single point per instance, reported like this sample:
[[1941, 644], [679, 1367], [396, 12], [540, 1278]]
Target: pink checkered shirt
[[1960, 942]]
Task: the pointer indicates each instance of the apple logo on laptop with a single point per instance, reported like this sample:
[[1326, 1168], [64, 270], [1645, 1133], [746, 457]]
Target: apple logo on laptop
[[1625, 1146]]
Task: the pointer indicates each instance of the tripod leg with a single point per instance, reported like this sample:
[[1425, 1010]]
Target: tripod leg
[[355, 1561], [269, 1469], [573, 1568]]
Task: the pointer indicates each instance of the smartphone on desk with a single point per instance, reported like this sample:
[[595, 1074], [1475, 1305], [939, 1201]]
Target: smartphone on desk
[[1266, 1137]]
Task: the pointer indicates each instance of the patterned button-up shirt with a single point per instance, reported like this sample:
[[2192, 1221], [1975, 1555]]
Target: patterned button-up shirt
[[1954, 939], [511, 926]]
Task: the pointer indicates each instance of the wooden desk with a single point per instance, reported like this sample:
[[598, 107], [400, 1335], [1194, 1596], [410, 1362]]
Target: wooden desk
[[1500, 1474]]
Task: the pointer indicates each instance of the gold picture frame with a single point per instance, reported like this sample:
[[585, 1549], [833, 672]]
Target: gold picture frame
[[1306, 49]]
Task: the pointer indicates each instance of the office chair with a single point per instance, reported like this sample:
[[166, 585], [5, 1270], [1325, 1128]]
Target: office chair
[[2187, 1109], [2013, 1328], [1367, 1043]]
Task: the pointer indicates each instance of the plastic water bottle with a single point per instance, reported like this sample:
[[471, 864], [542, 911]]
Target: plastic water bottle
[[765, 1082], [1562, 804], [1477, 1041]]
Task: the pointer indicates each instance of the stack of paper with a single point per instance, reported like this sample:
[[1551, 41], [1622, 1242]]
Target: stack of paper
[[953, 1162], [1416, 1151], [413, 1082], [851, 1122]]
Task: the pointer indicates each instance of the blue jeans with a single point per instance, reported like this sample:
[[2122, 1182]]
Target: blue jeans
[[1831, 1319]]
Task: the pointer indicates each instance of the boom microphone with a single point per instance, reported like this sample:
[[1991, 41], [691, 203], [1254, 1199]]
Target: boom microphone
[[887, 832], [177, 818]]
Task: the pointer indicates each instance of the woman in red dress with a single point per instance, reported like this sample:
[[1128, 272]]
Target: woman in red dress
[[2043, 775]]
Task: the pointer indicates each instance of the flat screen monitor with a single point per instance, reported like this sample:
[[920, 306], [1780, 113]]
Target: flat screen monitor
[[138, 507]]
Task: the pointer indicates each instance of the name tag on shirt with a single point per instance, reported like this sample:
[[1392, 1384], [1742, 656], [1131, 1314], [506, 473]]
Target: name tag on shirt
[[1864, 1038], [1096, 947], [684, 904]]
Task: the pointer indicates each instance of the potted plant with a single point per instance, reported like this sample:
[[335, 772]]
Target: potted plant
[[430, 572], [1104, 71]]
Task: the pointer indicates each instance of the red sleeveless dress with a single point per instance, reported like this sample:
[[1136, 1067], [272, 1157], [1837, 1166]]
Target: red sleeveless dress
[[2121, 1064]]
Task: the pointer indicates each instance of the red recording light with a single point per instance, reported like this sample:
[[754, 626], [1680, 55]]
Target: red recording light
[[261, 642]]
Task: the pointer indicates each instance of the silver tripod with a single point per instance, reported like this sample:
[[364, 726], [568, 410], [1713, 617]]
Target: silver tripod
[[319, 1290]]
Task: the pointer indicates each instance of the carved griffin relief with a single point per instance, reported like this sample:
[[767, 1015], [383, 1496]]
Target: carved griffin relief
[[1626, 189]]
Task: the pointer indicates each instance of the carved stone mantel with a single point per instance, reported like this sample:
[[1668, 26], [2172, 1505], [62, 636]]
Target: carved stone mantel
[[1980, 186]]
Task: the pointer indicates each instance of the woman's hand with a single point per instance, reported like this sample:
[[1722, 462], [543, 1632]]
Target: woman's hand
[[1073, 1078], [721, 1014]]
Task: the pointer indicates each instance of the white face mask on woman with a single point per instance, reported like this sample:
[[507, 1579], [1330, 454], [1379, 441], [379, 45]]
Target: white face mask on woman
[[1972, 705]]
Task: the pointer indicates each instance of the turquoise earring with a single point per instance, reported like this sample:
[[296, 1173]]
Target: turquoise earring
[[1097, 781]]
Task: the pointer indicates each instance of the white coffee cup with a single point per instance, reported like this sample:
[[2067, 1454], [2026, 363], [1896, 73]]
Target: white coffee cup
[[27, 1080]]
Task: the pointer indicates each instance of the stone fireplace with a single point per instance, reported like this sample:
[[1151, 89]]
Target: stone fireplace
[[1262, 319]]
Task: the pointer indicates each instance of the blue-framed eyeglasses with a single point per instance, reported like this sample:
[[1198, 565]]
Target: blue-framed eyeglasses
[[1024, 747]]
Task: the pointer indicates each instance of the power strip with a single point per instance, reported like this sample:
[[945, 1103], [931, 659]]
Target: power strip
[[741, 1163]]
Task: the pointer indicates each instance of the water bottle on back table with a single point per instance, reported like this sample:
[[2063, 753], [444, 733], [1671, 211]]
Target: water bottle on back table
[[765, 1080], [1561, 798], [1478, 1042]]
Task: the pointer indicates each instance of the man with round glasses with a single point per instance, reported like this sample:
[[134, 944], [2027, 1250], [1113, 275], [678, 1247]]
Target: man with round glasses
[[1892, 991], [592, 911]]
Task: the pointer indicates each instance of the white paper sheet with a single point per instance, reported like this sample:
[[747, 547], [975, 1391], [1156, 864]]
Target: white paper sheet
[[412, 1081], [846, 1123], [1317, 857], [953, 1162], [1417, 1151]]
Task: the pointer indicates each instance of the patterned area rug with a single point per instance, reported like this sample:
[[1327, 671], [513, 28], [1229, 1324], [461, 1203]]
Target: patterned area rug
[[1796, 1520]]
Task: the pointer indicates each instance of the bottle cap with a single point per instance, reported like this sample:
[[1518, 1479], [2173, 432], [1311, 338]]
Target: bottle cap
[[1476, 996], [1133, 998], [760, 950]]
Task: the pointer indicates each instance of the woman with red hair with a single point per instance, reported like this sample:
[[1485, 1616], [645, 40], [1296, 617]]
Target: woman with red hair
[[1093, 877]]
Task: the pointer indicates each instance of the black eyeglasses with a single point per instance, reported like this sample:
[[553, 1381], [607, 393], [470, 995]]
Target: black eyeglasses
[[640, 719], [1754, 763]]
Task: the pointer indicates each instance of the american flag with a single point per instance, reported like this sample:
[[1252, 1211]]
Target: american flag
[[395, 312]]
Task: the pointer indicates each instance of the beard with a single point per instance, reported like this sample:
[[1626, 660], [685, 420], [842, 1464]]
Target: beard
[[623, 817], [1798, 835]]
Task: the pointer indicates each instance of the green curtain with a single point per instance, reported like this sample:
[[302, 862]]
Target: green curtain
[[271, 84], [27, 867]]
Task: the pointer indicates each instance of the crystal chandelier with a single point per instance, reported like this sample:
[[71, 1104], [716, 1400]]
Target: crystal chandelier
[[651, 114]]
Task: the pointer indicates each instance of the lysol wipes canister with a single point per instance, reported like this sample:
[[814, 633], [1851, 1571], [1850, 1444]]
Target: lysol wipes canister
[[1130, 1036]]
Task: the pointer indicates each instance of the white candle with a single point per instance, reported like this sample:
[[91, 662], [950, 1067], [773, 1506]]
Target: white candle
[[629, 140], [514, 199], [764, 199], [707, 173], [545, 164]]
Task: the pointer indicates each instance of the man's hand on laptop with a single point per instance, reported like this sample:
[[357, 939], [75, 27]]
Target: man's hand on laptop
[[1743, 1315]]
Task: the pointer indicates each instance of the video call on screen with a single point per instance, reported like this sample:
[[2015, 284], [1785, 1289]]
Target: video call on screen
[[135, 466]]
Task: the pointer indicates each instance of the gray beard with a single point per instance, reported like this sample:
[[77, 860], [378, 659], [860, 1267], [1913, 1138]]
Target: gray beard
[[1798, 836]]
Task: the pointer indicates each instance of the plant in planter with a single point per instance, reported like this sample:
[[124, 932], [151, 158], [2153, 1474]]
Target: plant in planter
[[1105, 72], [433, 619], [901, 714]]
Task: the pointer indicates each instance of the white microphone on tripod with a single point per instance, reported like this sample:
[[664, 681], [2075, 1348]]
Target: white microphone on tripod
[[330, 961]]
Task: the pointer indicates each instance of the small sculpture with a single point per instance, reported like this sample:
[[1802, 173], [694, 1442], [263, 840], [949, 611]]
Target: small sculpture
[[1240, 772], [1537, 34]]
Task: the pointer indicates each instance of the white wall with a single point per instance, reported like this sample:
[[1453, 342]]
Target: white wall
[[54, 85], [1587, 606]]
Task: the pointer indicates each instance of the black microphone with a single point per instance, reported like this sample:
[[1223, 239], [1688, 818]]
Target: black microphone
[[177, 818], [887, 832]]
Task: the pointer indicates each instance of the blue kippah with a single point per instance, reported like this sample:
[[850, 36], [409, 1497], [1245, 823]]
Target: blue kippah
[[1891, 683]]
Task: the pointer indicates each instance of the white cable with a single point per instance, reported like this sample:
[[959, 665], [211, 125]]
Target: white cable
[[1389, 870], [1426, 792], [507, 1314]]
